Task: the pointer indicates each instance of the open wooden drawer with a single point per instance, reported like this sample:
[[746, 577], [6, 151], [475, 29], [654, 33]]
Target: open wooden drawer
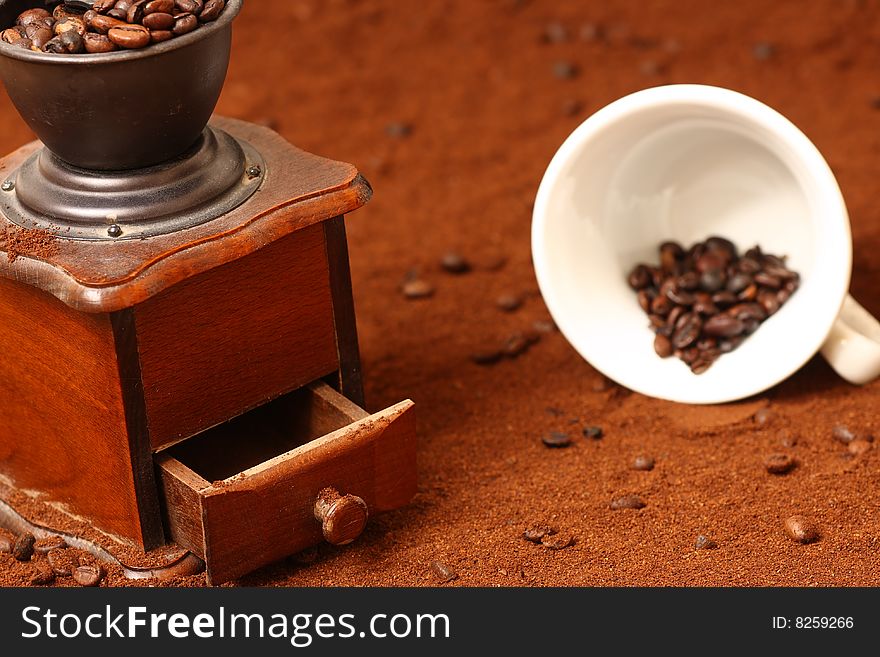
[[246, 493]]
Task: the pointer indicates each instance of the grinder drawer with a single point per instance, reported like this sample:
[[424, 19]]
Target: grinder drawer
[[307, 467]]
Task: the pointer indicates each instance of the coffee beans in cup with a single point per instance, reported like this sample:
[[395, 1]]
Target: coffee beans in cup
[[109, 25], [704, 301]]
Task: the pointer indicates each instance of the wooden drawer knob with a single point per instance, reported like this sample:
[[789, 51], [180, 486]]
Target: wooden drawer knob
[[342, 517]]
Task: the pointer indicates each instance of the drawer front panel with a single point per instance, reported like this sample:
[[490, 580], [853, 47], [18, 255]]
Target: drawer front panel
[[237, 336], [267, 511]]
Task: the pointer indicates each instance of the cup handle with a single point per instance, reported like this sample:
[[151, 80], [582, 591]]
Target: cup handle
[[853, 346]]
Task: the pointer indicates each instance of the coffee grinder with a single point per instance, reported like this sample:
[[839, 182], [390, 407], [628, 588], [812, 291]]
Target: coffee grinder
[[180, 364]]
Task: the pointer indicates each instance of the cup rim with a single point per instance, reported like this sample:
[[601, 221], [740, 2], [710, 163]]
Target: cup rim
[[755, 111], [232, 9]]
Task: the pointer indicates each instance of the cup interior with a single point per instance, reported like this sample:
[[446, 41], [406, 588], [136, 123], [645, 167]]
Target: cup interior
[[683, 163]]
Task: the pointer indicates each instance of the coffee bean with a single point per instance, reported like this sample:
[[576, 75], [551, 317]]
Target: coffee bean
[[135, 12], [556, 439], [63, 562], [509, 302], [643, 462], [672, 319], [707, 344], [88, 575], [417, 288], [705, 306], [455, 263], [709, 262], [61, 12], [554, 32], [67, 24], [184, 24], [639, 277], [102, 24], [517, 344], [738, 282], [843, 434], [565, 70], [211, 11], [487, 357], [129, 36], [557, 541], [158, 36], [158, 22], [724, 299], [103, 6], [98, 43], [23, 548], [705, 543], [54, 46], [661, 305], [763, 416], [689, 281], [801, 529], [39, 35], [46, 545], [663, 346], [769, 301], [749, 264], [536, 533], [723, 326], [751, 325], [644, 298], [689, 356], [593, 432], [680, 297], [730, 344], [32, 16], [723, 246], [659, 323], [627, 502], [749, 294], [768, 280], [672, 248], [13, 35], [859, 446], [687, 330], [763, 51], [712, 280], [72, 42], [544, 326], [443, 573], [701, 364], [162, 7], [779, 464], [188, 6], [42, 574]]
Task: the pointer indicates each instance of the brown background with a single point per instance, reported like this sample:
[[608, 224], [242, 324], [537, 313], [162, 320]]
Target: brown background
[[476, 81]]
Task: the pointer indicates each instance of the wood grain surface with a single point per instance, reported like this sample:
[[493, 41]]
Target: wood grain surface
[[237, 336], [299, 189], [62, 423]]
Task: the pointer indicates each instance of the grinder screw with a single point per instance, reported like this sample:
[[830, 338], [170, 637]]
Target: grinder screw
[[114, 231], [8, 185], [254, 172]]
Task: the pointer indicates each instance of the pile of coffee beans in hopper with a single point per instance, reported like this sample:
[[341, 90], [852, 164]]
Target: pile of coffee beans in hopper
[[101, 26], [704, 301]]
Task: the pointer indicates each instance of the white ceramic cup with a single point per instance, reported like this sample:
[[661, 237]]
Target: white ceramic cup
[[684, 162]]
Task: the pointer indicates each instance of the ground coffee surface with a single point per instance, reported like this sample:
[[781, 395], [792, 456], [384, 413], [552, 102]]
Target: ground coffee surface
[[453, 110]]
